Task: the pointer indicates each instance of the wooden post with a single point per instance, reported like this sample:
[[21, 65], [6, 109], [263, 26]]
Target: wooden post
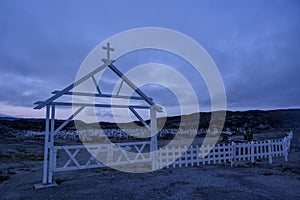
[[110, 151], [185, 156], [197, 154], [51, 144], [203, 152], [233, 152], [46, 147], [153, 145], [285, 142], [180, 160], [193, 155], [214, 154], [160, 165], [252, 152], [219, 154], [173, 156], [208, 154], [270, 152], [167, 156]]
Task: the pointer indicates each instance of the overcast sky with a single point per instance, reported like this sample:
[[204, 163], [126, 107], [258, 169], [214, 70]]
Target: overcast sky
[[255, 45]]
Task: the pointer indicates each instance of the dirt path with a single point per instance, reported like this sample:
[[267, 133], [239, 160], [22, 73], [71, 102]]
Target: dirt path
[[259, 181], [281, 180]]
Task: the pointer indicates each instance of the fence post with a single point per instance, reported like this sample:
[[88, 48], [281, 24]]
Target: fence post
[[153, 144], [233, 152], [46, 147], [197, 153], [186, 156], [252, 151], [192, 155], [110, 153], [160, 165], [285, 143], [173, 156], [180, 160], [219, 154], [290, 137], [270, 152], [208, 154], [167, 157], [51, 148]]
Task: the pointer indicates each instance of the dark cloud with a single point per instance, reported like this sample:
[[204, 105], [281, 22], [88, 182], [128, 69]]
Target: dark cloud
[[255, 44]]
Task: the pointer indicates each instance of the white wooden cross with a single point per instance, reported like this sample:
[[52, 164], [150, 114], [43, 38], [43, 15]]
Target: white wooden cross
[[108, 50]]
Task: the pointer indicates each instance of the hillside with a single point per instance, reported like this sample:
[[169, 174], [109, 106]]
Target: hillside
[[254, 119]]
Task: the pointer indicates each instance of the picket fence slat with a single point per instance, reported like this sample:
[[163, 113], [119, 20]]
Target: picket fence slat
[[225, 153]]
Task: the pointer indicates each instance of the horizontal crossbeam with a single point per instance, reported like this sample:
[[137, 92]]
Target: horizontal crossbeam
[[101, 95], [98, 105]]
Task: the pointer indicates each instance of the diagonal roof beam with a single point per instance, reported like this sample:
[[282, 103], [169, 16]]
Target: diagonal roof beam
[[42, 104], [134, 87], [96, 84], [139, 117]]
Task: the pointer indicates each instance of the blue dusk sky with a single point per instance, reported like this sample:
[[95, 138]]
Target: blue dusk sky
[[255, 45]]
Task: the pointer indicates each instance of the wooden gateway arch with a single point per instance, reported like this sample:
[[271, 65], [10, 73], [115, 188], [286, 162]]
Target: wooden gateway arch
[[50, 164], [140, 152]]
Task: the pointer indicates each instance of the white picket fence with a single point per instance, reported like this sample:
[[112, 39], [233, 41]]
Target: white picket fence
[[223, 153]]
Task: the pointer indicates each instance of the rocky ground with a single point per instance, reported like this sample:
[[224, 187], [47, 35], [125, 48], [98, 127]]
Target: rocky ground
[[21, 168]]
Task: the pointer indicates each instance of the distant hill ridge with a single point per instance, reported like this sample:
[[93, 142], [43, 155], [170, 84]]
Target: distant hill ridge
[[265, 119]]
